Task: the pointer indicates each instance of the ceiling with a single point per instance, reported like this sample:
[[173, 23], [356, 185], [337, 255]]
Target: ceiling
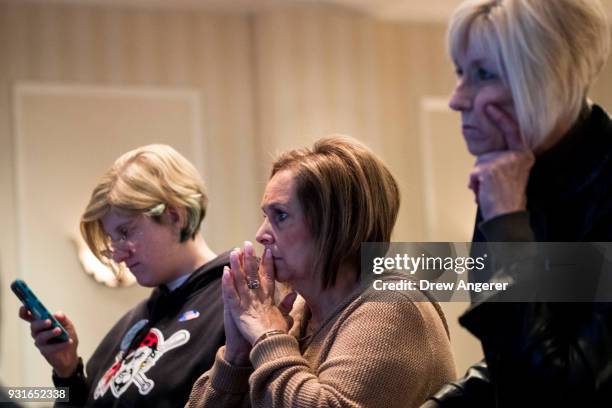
[[410, 10]]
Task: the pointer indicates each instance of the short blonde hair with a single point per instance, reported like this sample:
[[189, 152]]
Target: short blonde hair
[[348, 195], [144, 181], [548, 53]]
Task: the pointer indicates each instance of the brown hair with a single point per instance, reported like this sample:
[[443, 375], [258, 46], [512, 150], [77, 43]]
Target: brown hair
[[348, 196]]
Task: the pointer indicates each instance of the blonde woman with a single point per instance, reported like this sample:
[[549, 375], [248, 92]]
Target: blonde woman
[[543, 172], [343, 344], [146, 213]]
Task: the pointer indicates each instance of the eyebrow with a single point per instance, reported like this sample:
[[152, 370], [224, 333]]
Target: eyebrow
[[274, 206], [478, 61]]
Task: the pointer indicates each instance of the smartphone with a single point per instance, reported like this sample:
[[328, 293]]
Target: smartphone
[[38, 310]]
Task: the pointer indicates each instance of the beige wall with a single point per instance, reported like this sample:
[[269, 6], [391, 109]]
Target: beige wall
[[135, 49], [50, 122], [267, 82]]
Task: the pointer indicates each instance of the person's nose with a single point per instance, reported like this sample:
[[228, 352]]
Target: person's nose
[[264, 234], [121, 254], [462, 97]]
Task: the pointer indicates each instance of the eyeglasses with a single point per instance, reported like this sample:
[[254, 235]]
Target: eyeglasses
[[127, 232], [124, 240]]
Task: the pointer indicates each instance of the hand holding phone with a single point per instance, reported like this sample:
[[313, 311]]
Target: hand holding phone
[[54, 336], [38, 310]]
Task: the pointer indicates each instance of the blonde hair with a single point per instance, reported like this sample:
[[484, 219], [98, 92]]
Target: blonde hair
[[548, 53], [144, 181], [348, 196]]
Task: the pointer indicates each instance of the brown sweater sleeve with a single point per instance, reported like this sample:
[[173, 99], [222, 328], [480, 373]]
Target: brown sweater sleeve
[[380, 357], [377, 354], [224, 385]]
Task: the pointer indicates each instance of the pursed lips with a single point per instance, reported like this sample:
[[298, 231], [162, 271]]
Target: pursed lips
[[466, 122], [472, 132]]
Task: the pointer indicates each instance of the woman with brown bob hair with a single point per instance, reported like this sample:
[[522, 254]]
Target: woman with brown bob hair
[[333, 340]]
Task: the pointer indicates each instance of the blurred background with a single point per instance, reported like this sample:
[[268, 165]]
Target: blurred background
[[228, 83]]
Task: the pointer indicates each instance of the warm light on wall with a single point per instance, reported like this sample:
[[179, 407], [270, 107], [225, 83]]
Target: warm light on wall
[[111, 277]]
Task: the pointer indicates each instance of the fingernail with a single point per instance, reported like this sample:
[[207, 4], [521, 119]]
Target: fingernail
[[268, 253], [248, 248]]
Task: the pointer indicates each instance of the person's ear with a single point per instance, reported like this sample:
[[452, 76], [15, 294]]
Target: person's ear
[[176, 218]]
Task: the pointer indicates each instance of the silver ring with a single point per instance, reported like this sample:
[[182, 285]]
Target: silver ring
[[253, 284]]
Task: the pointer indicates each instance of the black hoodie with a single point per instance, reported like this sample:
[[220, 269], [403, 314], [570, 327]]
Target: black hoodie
[[154, 354]]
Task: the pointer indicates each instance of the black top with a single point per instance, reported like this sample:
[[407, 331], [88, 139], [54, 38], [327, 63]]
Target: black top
[[548, 354], [154, 354]]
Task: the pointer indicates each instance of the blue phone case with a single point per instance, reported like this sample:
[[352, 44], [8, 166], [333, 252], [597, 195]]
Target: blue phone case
[[38, 310]]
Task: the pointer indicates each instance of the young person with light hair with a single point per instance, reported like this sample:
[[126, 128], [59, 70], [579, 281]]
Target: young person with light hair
[[543, 172], [145, 214]]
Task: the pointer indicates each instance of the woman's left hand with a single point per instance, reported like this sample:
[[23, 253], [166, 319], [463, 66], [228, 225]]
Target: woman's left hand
[[499, 179], [252, 309]]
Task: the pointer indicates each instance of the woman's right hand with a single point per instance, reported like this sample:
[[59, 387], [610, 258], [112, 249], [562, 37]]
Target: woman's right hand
[[237, 348], [499, 179], [63, 357]]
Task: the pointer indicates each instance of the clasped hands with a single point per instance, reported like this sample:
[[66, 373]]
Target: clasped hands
[[249, 308]]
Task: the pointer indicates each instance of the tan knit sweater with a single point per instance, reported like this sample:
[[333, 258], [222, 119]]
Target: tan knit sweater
[[377, 349]]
